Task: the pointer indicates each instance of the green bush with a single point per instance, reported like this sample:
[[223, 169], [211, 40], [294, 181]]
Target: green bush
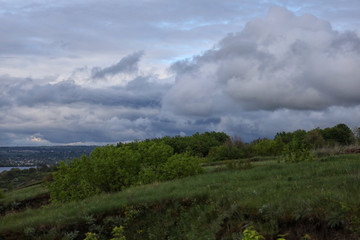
[[111, 169], [296, 152], [147, 175], [72, 181], [339, 134], [154, 154], [114, 168], [180, 165], [225, 152], [251, 234], [267, 147], [219, 153]]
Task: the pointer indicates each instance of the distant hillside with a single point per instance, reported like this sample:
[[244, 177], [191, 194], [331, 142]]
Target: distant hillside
[[34, 156]]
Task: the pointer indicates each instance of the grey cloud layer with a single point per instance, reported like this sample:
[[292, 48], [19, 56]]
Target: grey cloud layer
[[67, 112], [128, 64], [78, 27], [280, 72], [282, 61], [106, 26], [27, 93]]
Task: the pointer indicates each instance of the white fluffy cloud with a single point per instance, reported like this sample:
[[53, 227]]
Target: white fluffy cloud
[[281, 62], [72, 72]]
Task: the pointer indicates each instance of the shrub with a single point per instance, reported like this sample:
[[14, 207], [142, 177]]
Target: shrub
[[340, 134], [147, 175], [113, 168], [180, 165], [219, 153], [251, 234], [72, 181], [91, 236], [153, 154], [296, 154], [266, 147], [225, 152]]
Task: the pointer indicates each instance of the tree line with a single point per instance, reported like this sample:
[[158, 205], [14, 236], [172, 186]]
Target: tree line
[[114, 168]]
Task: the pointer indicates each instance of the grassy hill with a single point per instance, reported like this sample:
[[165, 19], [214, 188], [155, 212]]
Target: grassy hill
[[306, 200]]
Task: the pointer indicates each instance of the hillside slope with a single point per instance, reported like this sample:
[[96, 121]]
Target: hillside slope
[[317, 199]]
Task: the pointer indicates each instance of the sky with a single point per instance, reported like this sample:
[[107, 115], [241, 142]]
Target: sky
[[86, 72]]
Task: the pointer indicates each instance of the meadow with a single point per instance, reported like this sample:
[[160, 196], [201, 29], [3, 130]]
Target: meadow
[[315, 199]]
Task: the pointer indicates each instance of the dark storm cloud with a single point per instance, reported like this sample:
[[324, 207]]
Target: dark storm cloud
[[282, 61], [68, 92], [279, 73], [136, 94], [207, 121], [66, 112], [128, 64]]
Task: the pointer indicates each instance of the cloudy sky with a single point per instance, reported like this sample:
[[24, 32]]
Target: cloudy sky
[[99, 72]]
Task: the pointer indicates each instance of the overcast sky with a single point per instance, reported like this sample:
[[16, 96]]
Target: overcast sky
[[100, 72]]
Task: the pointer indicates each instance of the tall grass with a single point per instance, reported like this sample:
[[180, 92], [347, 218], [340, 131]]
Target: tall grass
[[273, 190], [23, 193]]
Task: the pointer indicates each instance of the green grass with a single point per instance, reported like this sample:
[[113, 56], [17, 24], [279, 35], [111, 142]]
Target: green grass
[[23, 194], [323, 189]]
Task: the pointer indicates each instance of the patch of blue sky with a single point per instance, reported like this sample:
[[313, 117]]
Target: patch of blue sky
[[169, 61], [189, 25]]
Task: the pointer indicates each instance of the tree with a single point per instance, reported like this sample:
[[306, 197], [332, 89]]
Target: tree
[[154, 153], [340, 134], [314, 139], [72, 181], [114, 168], [178, 166], [267, 147], [200, 144]]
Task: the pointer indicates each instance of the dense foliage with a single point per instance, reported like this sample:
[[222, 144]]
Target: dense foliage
[[113, 168], [196, 145], [290, 146]]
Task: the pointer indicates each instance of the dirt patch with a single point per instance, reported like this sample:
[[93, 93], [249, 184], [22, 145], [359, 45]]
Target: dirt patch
[[352, 150]]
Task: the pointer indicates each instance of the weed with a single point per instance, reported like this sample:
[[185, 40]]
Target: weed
[[251, 234], [91, 236], [70, 235], [118, 233]]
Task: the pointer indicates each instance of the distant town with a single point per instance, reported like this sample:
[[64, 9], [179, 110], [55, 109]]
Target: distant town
[[40, 156]]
